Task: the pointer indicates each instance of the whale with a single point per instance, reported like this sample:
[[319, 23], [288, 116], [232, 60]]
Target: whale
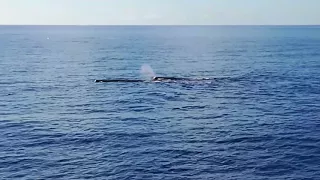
[[163, 78], [154, 79], [118, 80]]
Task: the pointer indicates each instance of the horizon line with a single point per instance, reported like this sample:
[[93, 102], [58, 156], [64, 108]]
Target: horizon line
[[159, 24]]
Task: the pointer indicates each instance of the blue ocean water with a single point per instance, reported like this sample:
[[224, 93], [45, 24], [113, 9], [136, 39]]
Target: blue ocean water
[[258, 118]]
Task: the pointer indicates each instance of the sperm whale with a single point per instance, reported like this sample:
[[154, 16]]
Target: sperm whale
[[155, 79], [159, 78], [118, 80]]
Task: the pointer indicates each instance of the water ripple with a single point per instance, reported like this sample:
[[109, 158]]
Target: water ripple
[[257, 117]]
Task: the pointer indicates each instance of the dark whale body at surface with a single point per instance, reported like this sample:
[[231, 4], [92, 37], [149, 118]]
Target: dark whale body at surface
[[118, 80], [156, 78], [159, 78]]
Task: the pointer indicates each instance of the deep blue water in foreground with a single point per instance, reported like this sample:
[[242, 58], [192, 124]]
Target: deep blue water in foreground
[[259, 119]]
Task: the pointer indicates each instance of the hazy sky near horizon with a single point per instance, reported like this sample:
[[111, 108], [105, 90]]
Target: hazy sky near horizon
[[157, 12]]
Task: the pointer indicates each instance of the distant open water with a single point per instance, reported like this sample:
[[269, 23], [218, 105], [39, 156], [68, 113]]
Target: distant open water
[[259, 119]]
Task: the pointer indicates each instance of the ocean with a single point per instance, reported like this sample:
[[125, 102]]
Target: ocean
[[257, 118]]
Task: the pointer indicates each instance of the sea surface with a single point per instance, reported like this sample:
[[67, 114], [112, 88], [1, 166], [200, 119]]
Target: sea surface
[[257, 118]]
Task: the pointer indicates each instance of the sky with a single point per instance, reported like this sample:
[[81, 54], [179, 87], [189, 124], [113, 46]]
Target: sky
[[160, 12]]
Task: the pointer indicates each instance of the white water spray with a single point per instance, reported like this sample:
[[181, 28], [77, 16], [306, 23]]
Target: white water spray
[[147, 72]]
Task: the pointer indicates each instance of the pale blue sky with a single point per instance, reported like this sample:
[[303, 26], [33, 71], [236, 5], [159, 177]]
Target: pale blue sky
[[115, 12]]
